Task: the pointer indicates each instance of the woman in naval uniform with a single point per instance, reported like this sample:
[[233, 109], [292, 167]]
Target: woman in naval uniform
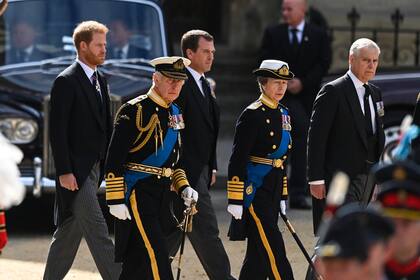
[[257, 185]]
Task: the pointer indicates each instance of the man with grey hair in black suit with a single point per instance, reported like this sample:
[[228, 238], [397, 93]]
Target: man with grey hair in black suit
[[346, 129]]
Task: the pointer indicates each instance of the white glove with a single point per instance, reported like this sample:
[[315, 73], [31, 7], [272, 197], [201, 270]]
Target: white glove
[[189, 195], [235, 211], [283, 207], [120, 211]]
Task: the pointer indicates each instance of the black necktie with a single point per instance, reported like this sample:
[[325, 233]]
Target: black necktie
[[95, 83], [368, 115], [206, 90], [206, 87], [295, 41]]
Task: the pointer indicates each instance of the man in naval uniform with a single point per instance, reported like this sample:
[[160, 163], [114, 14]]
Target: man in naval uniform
[[142, 165]]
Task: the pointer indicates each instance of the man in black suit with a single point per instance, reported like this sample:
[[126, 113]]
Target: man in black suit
[[80, 126], [307, 49], [346, 129], [121, 48], [201, 115], [24, 48]]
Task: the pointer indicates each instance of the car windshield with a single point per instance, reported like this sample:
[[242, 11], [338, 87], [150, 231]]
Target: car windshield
[[35, 30]]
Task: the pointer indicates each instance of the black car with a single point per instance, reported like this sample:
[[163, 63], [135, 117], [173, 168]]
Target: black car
[[399, 92], [36, 45]]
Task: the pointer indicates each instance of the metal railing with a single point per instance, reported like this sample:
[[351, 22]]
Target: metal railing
[[398, 52]]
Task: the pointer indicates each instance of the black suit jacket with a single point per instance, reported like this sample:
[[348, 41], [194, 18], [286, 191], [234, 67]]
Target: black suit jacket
[[201, 129], [337, 137], [312, 61], [79, 130], [35, 55]]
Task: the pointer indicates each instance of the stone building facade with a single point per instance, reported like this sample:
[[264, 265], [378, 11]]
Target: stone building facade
[[239, 24]]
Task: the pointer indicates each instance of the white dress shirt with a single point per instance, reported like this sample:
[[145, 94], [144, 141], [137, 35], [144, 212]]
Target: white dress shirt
[[89, 72], [299, 32], [197, 76], [360, 89]]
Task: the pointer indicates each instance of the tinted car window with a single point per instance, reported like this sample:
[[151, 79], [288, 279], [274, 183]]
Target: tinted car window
[[47, 26], [43, 29]]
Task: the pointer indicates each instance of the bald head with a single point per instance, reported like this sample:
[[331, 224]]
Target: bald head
[[293, 11]]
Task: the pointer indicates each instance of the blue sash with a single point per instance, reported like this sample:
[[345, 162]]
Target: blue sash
[[256, 171], [155, 159]]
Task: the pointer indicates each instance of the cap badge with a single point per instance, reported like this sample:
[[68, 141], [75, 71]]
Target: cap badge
[[249, 190], [330, 250], [179, 64], [399, 174], [283, 70]]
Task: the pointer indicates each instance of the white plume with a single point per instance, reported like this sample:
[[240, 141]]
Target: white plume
[[12, 191]]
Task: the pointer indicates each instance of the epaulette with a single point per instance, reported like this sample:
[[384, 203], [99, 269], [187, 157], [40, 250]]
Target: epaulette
[[255, 105], [137, 99]]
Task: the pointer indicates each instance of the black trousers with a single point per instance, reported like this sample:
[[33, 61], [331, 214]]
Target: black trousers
[[360, 190], [266, 253], [300, 124], [147, 254], [204, 237]]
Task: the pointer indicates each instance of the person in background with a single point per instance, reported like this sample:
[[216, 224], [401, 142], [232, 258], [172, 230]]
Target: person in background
[[399, 196], [120, 46], [356, 245], [24, 48], [307, 49]]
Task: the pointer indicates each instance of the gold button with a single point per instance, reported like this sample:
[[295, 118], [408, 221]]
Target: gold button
[[271, 133], [267, 120], [157, 109], [290, 146], [274, 146], [263, 108], [281, 110], [158, 176]]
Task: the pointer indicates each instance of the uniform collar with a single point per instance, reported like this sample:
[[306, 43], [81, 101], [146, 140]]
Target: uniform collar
[[403, 269], [268, 101], [152, 94]]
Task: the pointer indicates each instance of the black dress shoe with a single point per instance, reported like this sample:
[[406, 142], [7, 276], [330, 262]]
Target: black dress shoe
[[300, 203]]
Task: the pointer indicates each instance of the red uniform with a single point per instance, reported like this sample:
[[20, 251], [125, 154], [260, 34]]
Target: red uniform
[[3, 232]]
